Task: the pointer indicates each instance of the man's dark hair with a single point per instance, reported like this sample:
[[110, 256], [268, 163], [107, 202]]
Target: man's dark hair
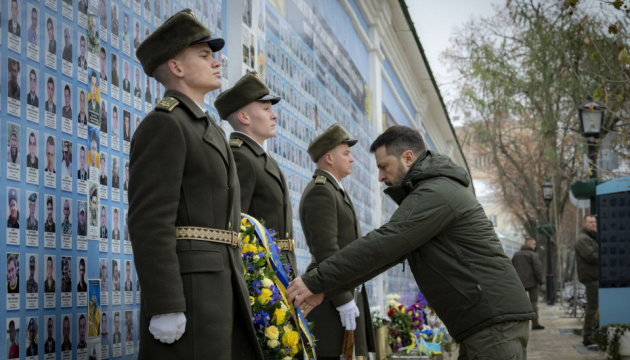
[[13, 62], [49, 201], [34, 73], [51, 81], [398, 139], [50, 141]]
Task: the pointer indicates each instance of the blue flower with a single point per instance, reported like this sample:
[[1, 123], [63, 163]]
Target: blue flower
[[287, 269], [261, 319], [275, 294], [256, 285]]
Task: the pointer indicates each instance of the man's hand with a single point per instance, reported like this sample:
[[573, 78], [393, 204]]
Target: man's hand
[[311, 302], [301, 296], [348, 313], [298, 292], [168, 328]]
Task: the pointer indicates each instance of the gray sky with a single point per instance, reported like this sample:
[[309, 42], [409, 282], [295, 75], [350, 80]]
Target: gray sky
[[436, 22]]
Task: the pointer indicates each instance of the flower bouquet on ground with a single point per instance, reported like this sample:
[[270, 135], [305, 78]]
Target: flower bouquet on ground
[[415, 330], [282, 330]]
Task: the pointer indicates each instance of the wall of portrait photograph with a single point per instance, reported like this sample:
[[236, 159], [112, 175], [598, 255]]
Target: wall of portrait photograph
[[72, 94]]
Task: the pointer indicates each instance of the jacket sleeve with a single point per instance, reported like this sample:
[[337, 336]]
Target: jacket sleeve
[[157, 158], [537, 268], [246, 178], [320, 226], [418, 219], [587, 249]]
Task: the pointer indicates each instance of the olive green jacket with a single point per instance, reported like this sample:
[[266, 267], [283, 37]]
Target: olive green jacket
[[264, 193], [587, 256], [329, 223], [182, 173], [452, 249], [528, 267]]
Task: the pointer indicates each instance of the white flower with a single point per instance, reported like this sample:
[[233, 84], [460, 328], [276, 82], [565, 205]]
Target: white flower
[[255, 258], [266, 282]]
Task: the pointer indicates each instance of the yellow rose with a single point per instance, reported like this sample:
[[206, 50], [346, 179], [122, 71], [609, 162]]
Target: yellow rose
[[272, 332], [251, 300], [273, 344], [264, 297], [249, 247], [293, 350], [279, 315], [290, 338]]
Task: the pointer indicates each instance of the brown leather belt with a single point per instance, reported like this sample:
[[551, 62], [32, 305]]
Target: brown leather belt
[[227, 237], [286, 244]]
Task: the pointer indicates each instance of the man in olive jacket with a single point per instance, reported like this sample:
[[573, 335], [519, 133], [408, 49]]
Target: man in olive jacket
[[587, 256], [330, 223], [264, 193], [529, 270], [452, 249], [184, 209]]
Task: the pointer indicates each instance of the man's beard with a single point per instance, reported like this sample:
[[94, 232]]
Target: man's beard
[[400, 174]]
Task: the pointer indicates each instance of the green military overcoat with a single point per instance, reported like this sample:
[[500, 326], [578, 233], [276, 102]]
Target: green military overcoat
[[264, 192], [329, 223], [182, 173]]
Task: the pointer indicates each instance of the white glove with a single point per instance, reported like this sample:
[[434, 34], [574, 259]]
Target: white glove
[[168, 328], [348, 312]]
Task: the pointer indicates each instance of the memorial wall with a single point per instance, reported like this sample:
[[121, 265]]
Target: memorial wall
[[72, 95]]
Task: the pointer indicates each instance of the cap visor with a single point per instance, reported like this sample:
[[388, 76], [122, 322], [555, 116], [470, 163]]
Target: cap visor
[[273, 99], [350, 142], [215, 44]]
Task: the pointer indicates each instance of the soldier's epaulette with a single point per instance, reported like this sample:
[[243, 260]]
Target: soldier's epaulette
[[236, 143], [320, 179], [167, 103]]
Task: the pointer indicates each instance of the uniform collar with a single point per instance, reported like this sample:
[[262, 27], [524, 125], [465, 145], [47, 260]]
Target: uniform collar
[[191, 105], [258, 149], [330, 177]]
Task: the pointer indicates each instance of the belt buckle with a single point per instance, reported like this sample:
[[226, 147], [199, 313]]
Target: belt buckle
[[235, 239]]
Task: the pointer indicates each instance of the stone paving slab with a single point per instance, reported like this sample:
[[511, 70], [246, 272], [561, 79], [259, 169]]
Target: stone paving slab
[[558, 340]]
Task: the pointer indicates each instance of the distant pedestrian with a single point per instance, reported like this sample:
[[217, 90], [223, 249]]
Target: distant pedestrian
[[529, 270], [586, 254]]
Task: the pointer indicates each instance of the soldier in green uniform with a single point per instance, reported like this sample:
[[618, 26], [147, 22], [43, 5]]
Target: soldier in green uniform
[[184, 209], [31, 220], [264, 192], [31, 284], [330, 223], [452, 249]]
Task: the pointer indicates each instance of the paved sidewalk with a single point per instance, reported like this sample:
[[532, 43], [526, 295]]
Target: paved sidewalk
[[558, 341]]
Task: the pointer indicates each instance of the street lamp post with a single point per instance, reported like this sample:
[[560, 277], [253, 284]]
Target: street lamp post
[[591, 114], [547, 192]]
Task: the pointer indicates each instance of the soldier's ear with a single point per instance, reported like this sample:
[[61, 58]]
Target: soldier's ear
[[243, 118]]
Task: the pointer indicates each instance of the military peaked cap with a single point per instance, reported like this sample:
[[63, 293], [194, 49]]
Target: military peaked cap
[[328, 140], [247, 89], [177, 33]]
